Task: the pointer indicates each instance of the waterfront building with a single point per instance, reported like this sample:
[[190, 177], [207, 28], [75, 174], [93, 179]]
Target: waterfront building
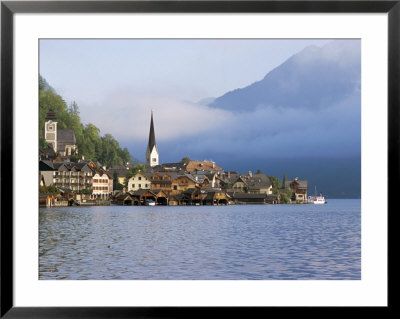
[[102, 185], [257, 183], [63, 142], [73, 176], [299, 189], [183, 182], [139, 181], [245, 183], [152, 156], [162, 181]]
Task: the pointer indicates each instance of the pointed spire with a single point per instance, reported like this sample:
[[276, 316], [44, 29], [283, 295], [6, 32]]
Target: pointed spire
[[152, 136]]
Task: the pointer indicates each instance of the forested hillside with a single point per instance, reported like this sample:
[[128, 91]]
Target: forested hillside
[[91, 144]]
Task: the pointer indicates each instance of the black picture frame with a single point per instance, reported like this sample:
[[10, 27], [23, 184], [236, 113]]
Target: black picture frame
[[9, 8]]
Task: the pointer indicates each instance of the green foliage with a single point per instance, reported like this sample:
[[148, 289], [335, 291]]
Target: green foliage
[[87, 191], [259, 171], [51, 189], [133, 171], [276, 184], [185, 160], [104, 149], [285, 198], [116, 185]]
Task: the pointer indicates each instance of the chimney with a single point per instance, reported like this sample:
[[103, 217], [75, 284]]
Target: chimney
[[250, 174], [229, 174]]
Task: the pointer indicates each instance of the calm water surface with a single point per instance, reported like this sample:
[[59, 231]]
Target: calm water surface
[[284, 242]]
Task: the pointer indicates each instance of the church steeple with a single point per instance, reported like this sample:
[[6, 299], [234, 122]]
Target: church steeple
[[152, 152], [152, 136]]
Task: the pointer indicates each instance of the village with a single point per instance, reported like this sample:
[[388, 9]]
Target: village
[[63, 182]]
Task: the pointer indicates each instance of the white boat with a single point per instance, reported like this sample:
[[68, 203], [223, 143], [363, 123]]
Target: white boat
[[151, 202], [317, 200]]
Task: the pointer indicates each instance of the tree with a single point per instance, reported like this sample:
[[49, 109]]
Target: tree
[[258, 171], [51, 189], [284, 180], [286, 196], [185, 160], [116, 184], [276, 184]]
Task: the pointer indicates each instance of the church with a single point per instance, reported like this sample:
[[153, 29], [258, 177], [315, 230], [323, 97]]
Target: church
[[63, 142], [152, 151]]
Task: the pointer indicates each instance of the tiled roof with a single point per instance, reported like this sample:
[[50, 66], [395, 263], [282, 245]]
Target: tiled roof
[[303, 184], [66, 137]]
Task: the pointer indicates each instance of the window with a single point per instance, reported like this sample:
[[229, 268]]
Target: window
[[140, 178], [140, 185], [133, 185], [154, 159]]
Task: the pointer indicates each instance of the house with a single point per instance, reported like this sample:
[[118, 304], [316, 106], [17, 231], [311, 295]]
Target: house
[[139, 181], [299, 189], [226, 180], [162, 181], [182, 182], [102, 184], [258, 183], [75, 176], [240, 185], [248, 183]]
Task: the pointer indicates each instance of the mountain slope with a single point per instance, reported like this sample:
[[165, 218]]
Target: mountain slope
[[314, 78]]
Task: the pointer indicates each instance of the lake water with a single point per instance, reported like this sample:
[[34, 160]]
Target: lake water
[[278, 242]]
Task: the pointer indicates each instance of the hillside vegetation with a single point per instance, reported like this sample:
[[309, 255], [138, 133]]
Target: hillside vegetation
[[93, 146]]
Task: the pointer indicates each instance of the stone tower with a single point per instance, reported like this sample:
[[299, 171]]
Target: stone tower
[[152, 151], [50, 129]]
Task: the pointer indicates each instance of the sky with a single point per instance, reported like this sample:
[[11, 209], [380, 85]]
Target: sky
[[116, 84]]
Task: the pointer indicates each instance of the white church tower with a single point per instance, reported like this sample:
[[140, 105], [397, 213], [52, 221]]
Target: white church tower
[[50, 129], [152, 151]]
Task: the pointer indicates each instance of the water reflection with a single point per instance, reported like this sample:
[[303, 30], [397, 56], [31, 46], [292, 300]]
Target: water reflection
[[232, 242]]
